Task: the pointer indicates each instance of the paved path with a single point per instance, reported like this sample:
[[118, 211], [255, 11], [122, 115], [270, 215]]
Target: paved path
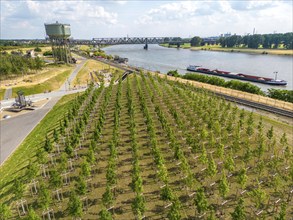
[[67, 83], [14, 130], [8, 93]]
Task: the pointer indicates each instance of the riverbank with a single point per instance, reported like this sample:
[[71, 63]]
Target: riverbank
[[246, 50], [233, 49]]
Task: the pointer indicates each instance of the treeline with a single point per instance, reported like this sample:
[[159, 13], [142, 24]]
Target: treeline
[[232, 84], [13, 65], [255, 41], [11, 44], [285, 95]]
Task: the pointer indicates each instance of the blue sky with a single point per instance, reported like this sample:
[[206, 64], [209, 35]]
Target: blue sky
[[88, 19]]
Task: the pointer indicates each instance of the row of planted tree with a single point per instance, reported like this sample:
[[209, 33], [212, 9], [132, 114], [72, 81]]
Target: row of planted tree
[[200, 146]]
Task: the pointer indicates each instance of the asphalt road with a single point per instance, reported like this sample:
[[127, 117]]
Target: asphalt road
[[14, 130]]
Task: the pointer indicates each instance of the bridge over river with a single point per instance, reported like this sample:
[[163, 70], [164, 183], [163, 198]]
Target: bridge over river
[[132, 40], [121, 40], [141, 40]]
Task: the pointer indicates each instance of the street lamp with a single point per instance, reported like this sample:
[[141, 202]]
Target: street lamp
[[276, 73]]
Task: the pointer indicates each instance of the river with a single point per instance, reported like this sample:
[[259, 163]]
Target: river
[[163, 59]]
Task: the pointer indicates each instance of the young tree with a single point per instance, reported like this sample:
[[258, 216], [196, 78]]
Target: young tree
[[32, 215], [258, 196], [56, 135], [223, 186], [5, 212], [284, 141], [68, 149], [74, 206], [107, 197], [138, 205], [200, 201], [250, 124], [32, 170], [212, 167], [90, 156], [18, 188], [239, 212], [229, 163], [174, 213], [203, 157], [261, 146], [242, 178], [270, 133], [104, 214], [167, 194], [48, 145], [111, 175], [282, 214], [44, 197], [212, 215], [220, 151], [55, 179], [63, 163], [85, 169], [41, 156], [81, 186]]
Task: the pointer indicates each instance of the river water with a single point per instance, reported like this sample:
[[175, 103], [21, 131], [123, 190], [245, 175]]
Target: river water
[[163, 59]]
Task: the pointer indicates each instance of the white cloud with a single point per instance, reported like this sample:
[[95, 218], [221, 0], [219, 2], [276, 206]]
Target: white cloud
[[71, 11], [121, 2], [208, 18], [25, 19]]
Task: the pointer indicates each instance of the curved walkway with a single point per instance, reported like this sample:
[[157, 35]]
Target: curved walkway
[[14, 130]]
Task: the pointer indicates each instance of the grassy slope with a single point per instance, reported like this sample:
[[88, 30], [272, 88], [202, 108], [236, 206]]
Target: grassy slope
[[2, 92], [51, 84], [14, 167], [12, 170], [91, 65]]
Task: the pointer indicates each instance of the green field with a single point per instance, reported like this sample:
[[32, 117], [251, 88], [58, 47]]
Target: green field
[[49, 85], [2, 92], [153, 148], [184, 46], [15, 166]]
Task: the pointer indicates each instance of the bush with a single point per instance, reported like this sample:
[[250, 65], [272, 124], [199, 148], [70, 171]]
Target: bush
[[233, 84], [285, 95], [173, 73], [48, 53], [37, 49]]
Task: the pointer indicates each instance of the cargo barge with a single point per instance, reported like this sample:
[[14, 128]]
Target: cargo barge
[[240, 76]]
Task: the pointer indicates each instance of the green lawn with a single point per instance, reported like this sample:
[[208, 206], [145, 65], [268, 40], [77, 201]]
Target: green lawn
[[184, 46], [14, 167], [2, 92], [51, 84]]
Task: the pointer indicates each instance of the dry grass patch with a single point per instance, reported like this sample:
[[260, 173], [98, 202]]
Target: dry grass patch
[[83, 77]]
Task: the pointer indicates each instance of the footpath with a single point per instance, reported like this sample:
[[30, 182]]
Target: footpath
[[14, 130]]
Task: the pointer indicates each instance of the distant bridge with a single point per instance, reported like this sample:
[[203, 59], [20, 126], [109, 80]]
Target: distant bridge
[[132, 40], [124, 40]]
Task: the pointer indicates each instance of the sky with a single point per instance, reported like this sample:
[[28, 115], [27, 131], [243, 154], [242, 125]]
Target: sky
[[93, 19]]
